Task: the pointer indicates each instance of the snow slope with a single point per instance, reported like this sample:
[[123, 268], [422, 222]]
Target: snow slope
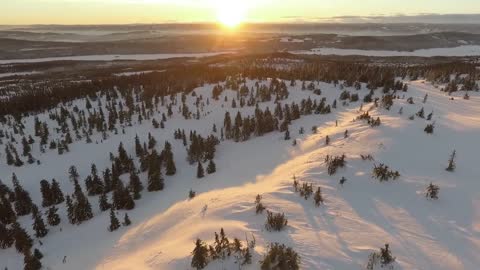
[[355, 220]]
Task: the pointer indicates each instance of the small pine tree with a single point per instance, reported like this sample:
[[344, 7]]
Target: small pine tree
[[287, 135], [432, 191], [200, 171], [451, 162], [39, 226], [31, 262], [259, 207], [247, 256], [135, 185], [318, 198], [191, 194], [57, 193], [155, 182], [23, 202], [200, 255], [23, 242], [45, 189], [211, 168], [103, 202], [126, 220], [386, 257], [53, 219], [37, 254], [171, 169], [6, 237], [114, 223], [429, 128]]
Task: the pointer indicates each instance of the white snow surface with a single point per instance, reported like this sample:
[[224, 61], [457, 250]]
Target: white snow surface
[[131, 73], [355, 220], [9, 74], [466, 50], [112, 57]]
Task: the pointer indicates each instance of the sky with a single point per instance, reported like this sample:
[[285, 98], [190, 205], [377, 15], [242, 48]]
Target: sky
[[18, 12]]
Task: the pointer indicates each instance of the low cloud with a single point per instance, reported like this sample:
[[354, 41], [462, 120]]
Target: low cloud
[[397, 18]]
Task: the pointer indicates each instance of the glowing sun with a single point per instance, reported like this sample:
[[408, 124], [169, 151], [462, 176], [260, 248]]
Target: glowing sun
[[231, 13]]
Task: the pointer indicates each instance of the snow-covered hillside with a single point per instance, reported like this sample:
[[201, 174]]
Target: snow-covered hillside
[[356, 218]]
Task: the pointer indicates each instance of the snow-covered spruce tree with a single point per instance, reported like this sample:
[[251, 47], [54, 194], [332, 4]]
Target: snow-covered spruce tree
[[6, 237], [259, 207], [114, 223], [429, 128], [200, 255], [82, 209], [167, 156], [383, 173], [53, 219], [9, 156], [23, 241], [383, 258], [451, 162], [155, 179], [70, 210], [280, 257], [247, 256], [103, 202], [386, 257], [23, 202], [37, 254], [73, 173], [96, 185], [421, 113], [306, 190], [30, 262], [47, 196], [275, 221], [223, 245], [39, 225], [333, 163], [138, 147], [57, 194], [135, 185], [7, 215], [122, 198], [107, 180], [26, 147], [432, 191]]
